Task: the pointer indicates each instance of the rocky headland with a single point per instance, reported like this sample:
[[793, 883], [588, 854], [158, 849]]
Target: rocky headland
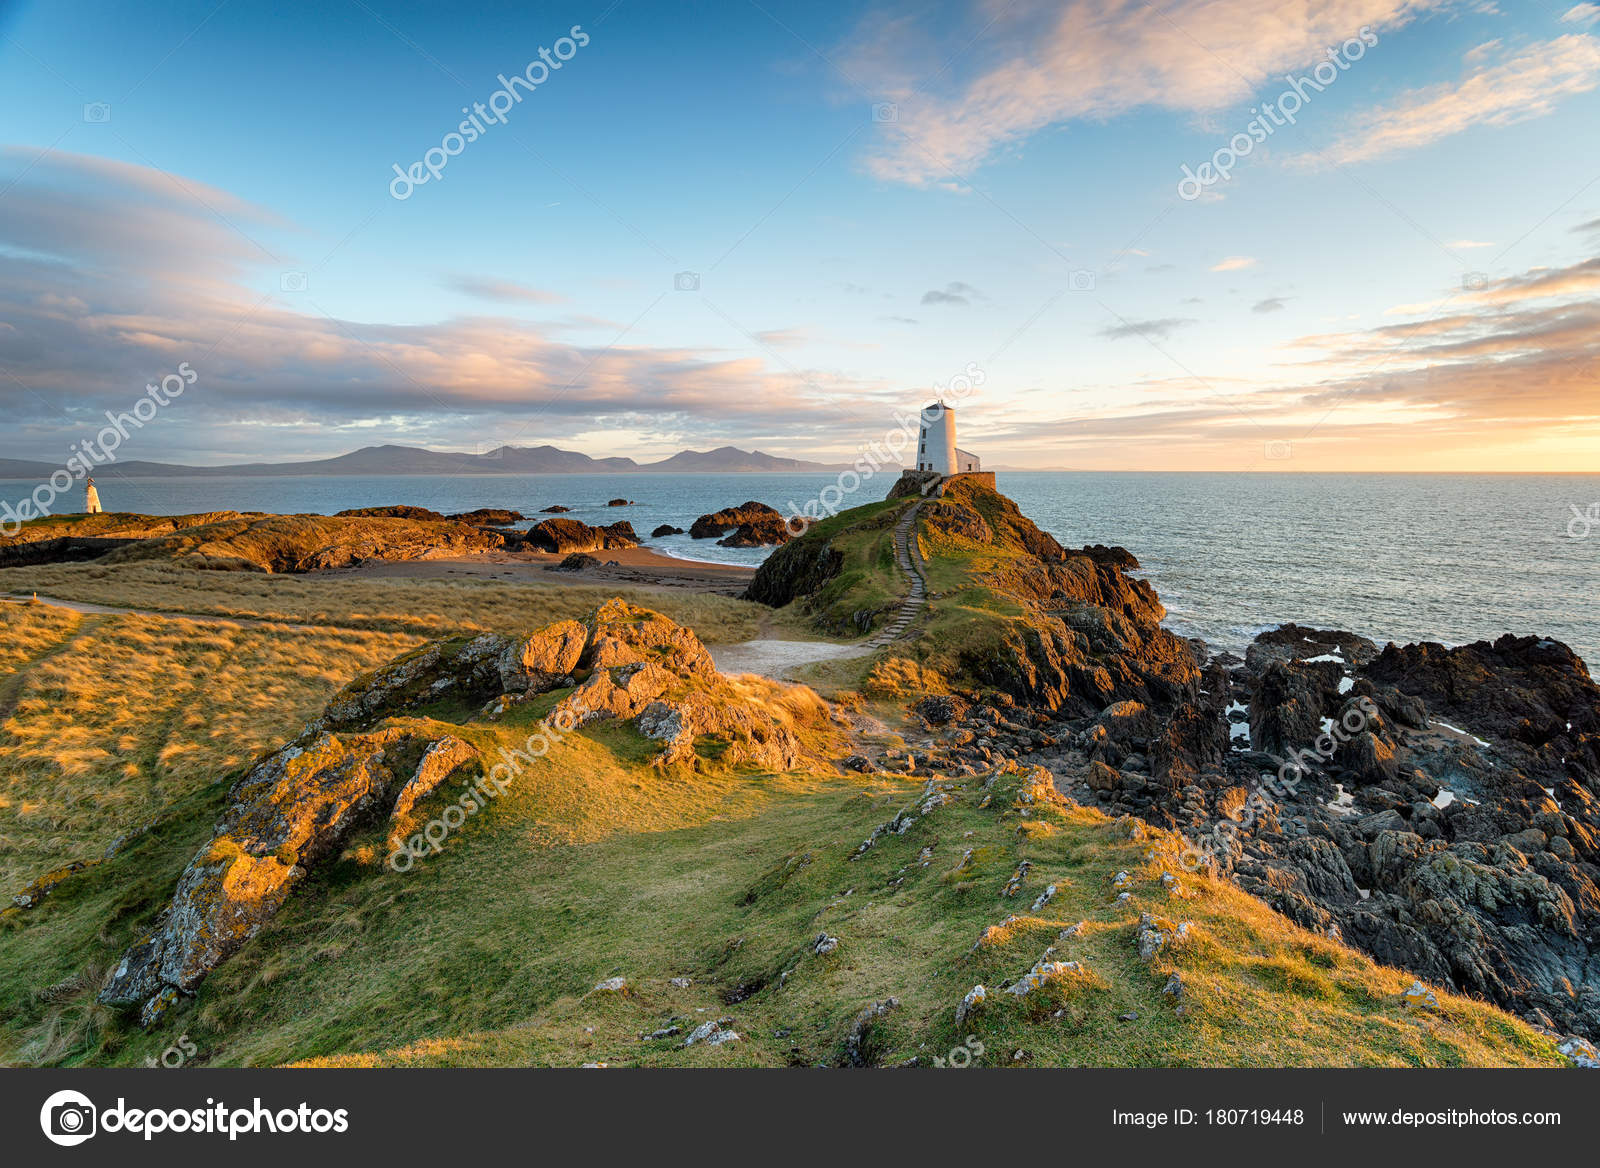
[[1437, 808]]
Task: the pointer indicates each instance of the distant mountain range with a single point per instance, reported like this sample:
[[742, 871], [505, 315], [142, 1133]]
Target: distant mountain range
[[411, 460]]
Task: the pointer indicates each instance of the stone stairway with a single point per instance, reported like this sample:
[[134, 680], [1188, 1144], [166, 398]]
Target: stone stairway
[[910, 562]]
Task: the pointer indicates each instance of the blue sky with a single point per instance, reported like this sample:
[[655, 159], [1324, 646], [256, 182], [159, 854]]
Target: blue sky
[[873, 199]]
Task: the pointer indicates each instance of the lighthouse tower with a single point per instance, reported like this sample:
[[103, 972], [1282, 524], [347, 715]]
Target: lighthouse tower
[[936, 449]]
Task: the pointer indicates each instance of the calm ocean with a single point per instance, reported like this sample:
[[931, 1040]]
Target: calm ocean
[[1453, 558]]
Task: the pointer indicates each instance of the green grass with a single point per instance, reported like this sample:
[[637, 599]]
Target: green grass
[[594, 865], [868, 579], [592, 868]]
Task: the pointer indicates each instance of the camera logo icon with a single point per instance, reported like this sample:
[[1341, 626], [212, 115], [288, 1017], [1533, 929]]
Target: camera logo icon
[[885, 111], [292, 282], [97, 112], [1474, 281], [1081, 280], [686, 282], [1277, 451], [68, 1118]]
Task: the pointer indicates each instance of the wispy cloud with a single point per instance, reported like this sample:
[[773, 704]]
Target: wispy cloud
[[1039, 63], [1528, 85], [1270, 304], [1234, 263], [1148, 329], [110, 274], [505, 291], [952, 293]]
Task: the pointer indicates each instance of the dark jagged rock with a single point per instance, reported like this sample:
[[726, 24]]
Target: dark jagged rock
[[762, 531], [397, 511], [800, 568], [1294, 643], [720, 523], [490, 516], [1530, 690], [619, 503], [1288, 705], [666, 529], [564, 536], [1118, 557], [554, 509], [1493, 890]]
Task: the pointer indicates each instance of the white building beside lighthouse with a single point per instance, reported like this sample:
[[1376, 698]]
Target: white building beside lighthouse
[[936, 446]]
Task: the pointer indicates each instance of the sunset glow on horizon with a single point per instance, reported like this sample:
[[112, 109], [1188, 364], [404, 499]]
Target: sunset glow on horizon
[[628, 233]]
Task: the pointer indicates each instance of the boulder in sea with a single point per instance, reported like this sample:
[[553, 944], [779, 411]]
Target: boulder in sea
[[564, 536], [398, 511], [554, 509], [619, 503], [763, 531], [720, 523], [490, 516], [666, 529]]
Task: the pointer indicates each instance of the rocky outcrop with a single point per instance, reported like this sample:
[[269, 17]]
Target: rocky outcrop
[[490, 516], [72, 539], [620, 503], [800, 568], [307, 543], [554, 509], [544, 659], [1434, 807], [763, 531], [396, 511], [289, 813], [720, 523], [666, 529], [1527, 690], [563, 536], [956, 519], [576, 562], [371, 756]]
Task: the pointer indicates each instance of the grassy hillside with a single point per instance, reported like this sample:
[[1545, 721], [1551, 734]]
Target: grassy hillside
[[596, 866], [108, 719]]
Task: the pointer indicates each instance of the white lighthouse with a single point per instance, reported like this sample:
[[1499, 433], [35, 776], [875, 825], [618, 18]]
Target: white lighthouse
[[936, 447]]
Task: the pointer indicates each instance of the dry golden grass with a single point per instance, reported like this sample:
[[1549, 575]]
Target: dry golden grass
[[427, 608], [113, 717], [29, 631]]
